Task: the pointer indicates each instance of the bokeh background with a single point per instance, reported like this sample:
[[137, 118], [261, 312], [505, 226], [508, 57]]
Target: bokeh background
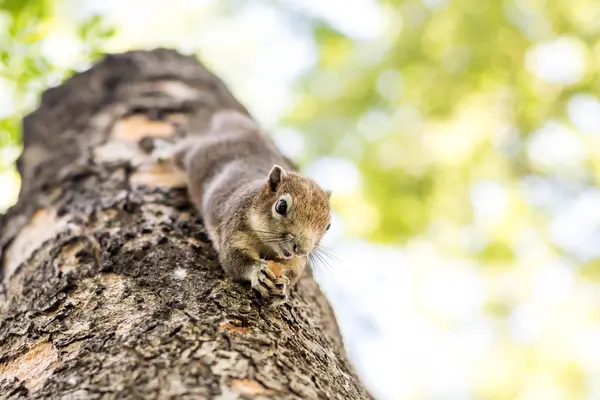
[[461, 139]]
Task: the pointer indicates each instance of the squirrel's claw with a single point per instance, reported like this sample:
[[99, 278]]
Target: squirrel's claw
[[269, 286], [281, 285], [264, 292], [281, 292], [264, 280]]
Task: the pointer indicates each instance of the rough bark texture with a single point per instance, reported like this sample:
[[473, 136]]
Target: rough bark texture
[[111, 287]]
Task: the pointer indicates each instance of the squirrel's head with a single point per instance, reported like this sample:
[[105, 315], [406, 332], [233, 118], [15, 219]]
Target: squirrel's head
[[291, 213]]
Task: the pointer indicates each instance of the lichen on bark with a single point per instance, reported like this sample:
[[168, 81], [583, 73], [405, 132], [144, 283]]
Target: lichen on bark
[[111, 288]]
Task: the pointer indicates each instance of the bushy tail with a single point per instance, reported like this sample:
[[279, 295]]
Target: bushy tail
[[231, 120], [225, 121], [181, 153]]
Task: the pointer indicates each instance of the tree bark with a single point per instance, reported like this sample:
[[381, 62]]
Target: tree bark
[[111, 286]]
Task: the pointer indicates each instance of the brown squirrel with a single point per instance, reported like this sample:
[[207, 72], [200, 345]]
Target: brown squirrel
[[255, 208]]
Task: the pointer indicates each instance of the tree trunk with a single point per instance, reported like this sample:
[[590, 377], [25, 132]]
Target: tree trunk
[[111, 286]]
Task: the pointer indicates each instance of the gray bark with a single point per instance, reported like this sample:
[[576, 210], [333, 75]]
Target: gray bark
[[111, 286]]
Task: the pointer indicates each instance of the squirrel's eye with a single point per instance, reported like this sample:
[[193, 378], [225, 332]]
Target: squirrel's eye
[[328, 226], [281, 207]]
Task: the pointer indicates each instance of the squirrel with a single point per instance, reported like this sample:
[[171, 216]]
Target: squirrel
[[255, 207]]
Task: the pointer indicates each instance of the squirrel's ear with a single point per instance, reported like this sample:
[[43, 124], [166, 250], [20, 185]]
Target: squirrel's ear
[[276, 175]]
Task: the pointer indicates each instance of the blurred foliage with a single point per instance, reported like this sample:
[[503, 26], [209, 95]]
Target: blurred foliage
[[23, 62], [441, 100], [467, 130], [26, 70]]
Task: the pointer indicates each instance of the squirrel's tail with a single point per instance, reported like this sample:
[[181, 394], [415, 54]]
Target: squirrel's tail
[[181, 153], [222, 121], [232, 120]]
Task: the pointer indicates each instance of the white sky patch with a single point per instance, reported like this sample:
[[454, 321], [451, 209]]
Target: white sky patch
[[584, 113], [180, 273], [447, 355], [9, 155], [336, 230], [489, 201], [335, 174], [62, 48], [541, 388], [290, 142], [561, 61], [588, 351], [372, 283], [7, 90], [542, 192], [9, 187], [455, 291], [555, 147], [525, 323], [574, 227], [393, 379], [360, 19], [553, 284]]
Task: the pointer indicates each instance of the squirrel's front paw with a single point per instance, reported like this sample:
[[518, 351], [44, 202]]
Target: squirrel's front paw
[[268, 284], [280, 295]]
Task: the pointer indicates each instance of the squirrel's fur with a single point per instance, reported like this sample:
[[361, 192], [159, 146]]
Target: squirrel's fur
[[235, 178]]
